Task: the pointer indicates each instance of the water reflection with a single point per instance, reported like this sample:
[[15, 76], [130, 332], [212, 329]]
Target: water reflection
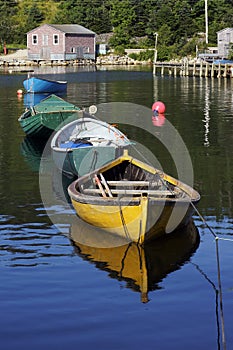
[[60, 183], [207, 115], [158, 120], [31, 99], [32, 150], [142, 268], [27, 244]]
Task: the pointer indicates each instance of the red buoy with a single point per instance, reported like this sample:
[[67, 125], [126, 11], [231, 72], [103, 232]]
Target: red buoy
[[158, 107]]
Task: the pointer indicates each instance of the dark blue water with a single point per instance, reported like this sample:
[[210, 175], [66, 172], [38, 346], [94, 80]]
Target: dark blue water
[[56, 292]]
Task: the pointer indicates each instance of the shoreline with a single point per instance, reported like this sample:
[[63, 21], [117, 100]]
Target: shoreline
[[19, 59], [18, 62]]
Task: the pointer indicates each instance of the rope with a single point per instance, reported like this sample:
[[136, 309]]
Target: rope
[[123, 222], [68, 157], [220, 296], [62, 116], [217, 253], [219, 272], [225, 239], [216, 300], [94, 161], [123, 259], [203, 220]]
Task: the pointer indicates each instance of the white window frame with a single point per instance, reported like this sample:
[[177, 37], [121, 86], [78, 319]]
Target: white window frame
[[55, 38], [34, 39]]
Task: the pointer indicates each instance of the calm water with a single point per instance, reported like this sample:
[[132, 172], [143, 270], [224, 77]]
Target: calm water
[[56, 291]]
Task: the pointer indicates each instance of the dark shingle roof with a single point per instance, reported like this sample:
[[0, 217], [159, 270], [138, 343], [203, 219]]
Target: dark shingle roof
[[71, 28]]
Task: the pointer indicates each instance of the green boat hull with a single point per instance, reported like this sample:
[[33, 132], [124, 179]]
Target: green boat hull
[[80, 161], [49, 115]]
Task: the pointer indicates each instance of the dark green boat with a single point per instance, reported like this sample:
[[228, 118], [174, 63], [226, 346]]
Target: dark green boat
[[45, 117]]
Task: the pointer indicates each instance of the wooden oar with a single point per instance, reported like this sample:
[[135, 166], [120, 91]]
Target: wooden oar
[[106, 185], [100, 186]]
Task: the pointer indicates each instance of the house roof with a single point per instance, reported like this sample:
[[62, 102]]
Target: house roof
[[225, 30], [69, 28]]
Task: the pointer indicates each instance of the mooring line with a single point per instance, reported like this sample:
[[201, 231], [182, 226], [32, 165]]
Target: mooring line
[[217, 238], [220, 295], [203, 219], [216, 301], [225, 239]]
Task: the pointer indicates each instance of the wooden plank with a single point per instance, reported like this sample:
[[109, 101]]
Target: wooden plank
[[130, 192], [132, 183]]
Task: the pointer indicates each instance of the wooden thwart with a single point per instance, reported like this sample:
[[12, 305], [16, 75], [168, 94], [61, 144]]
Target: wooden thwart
[[158, 193], [132, 183]]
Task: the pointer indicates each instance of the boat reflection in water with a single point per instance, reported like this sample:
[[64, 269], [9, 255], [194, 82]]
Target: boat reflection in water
[[32, 150], [31, 99], [142, 267]]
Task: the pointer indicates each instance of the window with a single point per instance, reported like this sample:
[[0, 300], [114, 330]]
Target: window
[[55, 39], [34, 39]]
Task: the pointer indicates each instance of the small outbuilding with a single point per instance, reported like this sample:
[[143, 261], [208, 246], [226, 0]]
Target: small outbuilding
[[60, 42], [225, 41]]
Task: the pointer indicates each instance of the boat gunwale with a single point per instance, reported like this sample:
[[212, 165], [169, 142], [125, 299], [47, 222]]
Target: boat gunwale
[[54, 98], [49, 80], [192, 195], [80, 120], [44, 85]]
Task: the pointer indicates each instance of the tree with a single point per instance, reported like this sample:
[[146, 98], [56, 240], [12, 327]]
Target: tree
[[7, 10], [122, 17], [178, 22], [94, 16]]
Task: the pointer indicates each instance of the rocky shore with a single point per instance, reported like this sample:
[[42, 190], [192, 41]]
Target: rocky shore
[[19, 59]]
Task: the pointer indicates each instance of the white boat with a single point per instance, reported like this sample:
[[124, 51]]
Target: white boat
[[86, 144]]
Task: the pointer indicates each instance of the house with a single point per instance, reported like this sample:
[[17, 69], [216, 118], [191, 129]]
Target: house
[[225, 42], [60, 42], [225, 45]]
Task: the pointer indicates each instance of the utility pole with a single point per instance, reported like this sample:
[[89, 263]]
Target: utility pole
[[206, 22], [155, 52]]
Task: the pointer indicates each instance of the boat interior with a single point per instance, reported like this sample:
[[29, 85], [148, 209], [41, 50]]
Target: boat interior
[[127, 179]]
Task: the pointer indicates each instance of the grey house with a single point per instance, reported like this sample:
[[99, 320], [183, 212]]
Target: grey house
[[225, 41], [60, 42]]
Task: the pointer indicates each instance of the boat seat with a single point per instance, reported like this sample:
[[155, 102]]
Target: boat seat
[[155, 193], [126, 183]]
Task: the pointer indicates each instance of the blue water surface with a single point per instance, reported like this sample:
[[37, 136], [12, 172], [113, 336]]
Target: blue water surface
[[57, 293]]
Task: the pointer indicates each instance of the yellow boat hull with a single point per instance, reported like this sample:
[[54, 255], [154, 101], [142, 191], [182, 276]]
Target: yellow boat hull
[[137, 223], [133, 200], [127, 221]]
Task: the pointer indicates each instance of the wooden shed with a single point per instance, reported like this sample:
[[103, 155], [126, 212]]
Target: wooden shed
[[60, 42], [225, 41]]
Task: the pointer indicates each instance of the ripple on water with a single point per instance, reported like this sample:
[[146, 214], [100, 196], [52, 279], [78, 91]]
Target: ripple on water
[[31, 244]]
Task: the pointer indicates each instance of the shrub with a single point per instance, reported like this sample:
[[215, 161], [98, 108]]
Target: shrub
[[119, 50]]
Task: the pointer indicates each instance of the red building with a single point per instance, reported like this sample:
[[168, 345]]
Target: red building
[[60, 42]]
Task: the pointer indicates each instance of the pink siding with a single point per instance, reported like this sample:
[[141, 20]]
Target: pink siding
[[45, 48], [80, 41], [49, 31]]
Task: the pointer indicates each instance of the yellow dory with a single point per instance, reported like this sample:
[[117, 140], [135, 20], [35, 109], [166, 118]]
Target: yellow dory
[[132, 199]]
